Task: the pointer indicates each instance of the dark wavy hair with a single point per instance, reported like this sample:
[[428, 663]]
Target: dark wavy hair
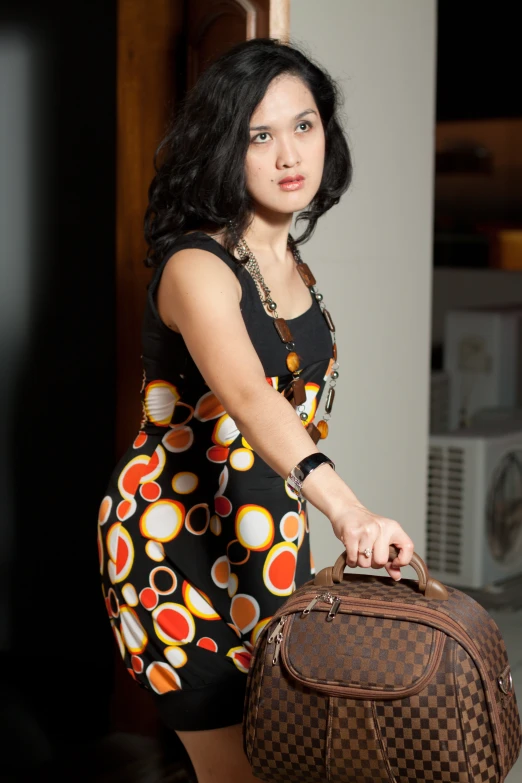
[[199, 180]]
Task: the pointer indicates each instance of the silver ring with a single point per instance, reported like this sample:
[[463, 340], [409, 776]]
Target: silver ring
[[367, 552]]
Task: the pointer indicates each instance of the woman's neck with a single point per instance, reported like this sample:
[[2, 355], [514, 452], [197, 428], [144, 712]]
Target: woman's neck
[[266, 235]]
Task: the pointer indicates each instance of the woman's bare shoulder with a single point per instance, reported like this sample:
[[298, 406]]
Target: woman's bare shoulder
[[195, 275]]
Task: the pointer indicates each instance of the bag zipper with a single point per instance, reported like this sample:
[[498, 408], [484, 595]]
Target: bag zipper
[[326, 597], [277, 634]]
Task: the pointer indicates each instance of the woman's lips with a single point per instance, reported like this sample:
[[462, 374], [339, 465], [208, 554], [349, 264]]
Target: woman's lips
[[294, 184]]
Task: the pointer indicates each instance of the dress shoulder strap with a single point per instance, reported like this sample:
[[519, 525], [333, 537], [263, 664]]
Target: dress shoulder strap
[[199, 239]]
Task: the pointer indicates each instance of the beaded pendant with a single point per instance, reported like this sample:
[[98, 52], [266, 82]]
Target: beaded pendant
[[295, 392]]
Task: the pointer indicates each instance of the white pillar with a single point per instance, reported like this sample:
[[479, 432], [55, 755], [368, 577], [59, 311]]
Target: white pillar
[[372, 253]]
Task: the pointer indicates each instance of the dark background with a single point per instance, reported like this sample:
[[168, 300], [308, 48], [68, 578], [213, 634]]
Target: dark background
[[56, 675], [478, 178], [478, 60]]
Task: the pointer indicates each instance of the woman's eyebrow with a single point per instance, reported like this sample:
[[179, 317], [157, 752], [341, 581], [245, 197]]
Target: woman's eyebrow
[[297, 117]]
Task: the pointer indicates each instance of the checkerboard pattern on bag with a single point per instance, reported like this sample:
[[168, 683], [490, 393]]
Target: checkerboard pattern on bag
[[354, 750], [290, 730], [474, 717], [422, 733], [252, 701], [458, 727], [509, 716], [370, 652]]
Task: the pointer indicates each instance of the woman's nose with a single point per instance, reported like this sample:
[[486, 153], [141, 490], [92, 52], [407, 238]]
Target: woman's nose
[[287, 154]]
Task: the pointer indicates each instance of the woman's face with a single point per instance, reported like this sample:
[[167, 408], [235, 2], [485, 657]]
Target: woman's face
[[286, 140]]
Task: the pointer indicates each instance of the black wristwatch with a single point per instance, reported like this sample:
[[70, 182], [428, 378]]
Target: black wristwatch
[[303, 469]]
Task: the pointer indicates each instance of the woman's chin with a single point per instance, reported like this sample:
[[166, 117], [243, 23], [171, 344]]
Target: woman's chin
[[283, 206]]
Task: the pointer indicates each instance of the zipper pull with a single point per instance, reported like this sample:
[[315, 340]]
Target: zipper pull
[[333, 611], [279, 639], [277, 648], [277, 629], [328, 598], [311, 605]]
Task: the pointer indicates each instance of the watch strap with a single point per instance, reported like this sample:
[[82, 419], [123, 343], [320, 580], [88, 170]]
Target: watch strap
[[298, 474]]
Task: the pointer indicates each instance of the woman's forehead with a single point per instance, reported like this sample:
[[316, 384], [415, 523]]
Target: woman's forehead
[[285, 98]]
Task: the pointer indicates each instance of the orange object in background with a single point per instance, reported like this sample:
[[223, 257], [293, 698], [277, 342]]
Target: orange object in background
[[505, 243], [509, 249]]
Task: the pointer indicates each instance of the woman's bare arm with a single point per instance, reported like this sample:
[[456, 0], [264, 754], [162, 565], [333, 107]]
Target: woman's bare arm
[[201, 296]]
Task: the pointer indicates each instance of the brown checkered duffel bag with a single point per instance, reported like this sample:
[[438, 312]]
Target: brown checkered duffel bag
[[360, 678]]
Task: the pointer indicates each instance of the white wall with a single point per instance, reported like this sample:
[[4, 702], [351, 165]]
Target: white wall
[[372, 254]]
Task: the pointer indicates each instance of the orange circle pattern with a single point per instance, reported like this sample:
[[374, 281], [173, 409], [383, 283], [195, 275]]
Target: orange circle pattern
[[199, 541]]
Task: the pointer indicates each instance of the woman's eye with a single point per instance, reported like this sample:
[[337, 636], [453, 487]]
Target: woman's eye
[[261, 138]]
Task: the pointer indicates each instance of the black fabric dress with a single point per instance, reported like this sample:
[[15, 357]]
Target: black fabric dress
[[200, 541]]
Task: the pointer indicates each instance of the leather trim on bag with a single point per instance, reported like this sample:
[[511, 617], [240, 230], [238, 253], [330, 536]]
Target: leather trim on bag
[[382, 744], [329, 738]]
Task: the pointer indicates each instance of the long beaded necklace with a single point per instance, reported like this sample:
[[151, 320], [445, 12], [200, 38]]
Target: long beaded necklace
[[295, 392]]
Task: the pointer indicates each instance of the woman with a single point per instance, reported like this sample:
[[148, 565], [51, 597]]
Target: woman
[[204, 531]]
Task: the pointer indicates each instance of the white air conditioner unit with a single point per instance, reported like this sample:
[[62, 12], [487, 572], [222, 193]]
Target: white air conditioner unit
[[474, 508]]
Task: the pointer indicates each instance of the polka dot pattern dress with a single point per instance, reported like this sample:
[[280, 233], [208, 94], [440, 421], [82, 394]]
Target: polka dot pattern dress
[[199, 540]]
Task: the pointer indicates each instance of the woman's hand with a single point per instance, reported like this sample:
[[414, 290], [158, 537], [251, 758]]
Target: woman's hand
[[359, 529]]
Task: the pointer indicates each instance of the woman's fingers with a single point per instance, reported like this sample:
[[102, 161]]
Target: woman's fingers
[[367, 538], [351, 541], [365, 554], [357, 539], [404, 544], [371, 548], [381, 550], [393, 571]]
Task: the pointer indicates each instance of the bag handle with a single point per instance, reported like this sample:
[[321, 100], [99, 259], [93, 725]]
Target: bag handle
[[431, 588]]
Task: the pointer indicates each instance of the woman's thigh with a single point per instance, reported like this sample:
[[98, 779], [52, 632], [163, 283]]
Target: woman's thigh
[[217, 755]]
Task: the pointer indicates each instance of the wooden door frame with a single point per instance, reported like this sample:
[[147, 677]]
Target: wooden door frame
[[279, 24], [278, 15]]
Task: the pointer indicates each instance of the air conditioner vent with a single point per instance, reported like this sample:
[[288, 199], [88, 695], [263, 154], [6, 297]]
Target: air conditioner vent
[[445, 504], [474, 501]]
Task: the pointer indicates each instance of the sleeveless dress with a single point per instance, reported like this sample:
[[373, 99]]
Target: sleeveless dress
[[199, 540]]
